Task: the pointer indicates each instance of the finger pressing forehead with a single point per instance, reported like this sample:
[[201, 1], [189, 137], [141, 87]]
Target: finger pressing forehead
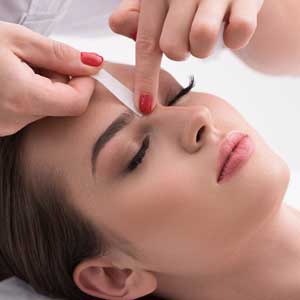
[[102, 107]]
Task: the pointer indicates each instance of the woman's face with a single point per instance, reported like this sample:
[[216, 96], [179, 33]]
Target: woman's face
[[170, 207]]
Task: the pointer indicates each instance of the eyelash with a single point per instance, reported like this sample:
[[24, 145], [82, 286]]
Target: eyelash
[[138, 158]]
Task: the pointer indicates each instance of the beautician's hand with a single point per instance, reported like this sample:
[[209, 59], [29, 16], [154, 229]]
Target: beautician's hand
[[25, 95], [177, 28]]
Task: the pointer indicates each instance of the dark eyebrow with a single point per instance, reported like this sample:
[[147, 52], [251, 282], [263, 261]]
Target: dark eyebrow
[[118, 124]]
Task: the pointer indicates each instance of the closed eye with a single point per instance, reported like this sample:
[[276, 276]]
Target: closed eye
[[138, 158], [183, 92]]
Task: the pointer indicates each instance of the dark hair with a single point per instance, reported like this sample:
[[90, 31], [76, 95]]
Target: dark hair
[[42, 236]]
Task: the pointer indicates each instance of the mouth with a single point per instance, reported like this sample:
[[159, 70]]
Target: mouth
[[235, 149]]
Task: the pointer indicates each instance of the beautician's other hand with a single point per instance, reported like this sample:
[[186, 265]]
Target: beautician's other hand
[[25, 95], [177, 28]]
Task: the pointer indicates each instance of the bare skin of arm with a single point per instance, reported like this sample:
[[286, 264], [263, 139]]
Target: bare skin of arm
[[275, 46]]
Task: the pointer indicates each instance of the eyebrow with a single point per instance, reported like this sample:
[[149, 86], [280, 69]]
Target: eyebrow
[[118, 124]]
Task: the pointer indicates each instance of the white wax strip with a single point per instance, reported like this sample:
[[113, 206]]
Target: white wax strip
[[117, 89]]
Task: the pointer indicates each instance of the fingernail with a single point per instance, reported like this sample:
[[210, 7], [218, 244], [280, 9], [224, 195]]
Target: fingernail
[[133, 36], [146, 104], [91, 59]]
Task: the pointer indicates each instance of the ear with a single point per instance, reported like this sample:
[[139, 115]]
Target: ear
[[100, 278]]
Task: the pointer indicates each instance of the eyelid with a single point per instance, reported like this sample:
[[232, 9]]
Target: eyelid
[[139, 156], [182, 92], [146, 141]]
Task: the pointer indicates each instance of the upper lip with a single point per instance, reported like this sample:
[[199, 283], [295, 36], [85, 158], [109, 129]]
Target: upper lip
[[226, 146]]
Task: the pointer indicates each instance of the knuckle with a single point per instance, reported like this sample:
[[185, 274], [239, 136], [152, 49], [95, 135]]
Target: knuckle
[[77, 108], [204, 31], [201, 53], [201, 50], [114, 22], [173, 51], [60, 50], [244, 23], [146, 45]]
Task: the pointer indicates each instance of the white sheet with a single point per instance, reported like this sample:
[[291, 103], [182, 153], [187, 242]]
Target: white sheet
[[16, 289]]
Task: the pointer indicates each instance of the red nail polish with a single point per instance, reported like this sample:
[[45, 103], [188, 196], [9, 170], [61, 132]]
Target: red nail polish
[[133, 35], [91, 59], [146, 104]]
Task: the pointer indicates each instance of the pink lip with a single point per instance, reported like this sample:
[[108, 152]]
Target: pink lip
[[235, 149]]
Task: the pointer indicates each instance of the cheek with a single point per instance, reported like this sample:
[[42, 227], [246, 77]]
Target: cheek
[[260, 187], [174, 210], [175, 216], [153, 203], [170, 204]]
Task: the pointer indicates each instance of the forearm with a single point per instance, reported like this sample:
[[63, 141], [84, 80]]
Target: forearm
[[275, 46]]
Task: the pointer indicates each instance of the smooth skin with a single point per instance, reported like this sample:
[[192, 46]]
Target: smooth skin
[[193, 238], [30, 80], [275, 47], [178, 28]]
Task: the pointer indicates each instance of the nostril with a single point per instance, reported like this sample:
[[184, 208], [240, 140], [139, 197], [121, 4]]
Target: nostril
[[199, 133]]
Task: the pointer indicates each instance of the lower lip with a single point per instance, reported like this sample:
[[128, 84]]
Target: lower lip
[[237, 159]]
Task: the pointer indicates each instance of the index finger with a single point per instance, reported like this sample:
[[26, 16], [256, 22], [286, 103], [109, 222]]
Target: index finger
[[148, 53]]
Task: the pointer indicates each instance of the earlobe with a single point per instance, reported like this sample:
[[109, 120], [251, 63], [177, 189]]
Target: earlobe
[[109, 282]]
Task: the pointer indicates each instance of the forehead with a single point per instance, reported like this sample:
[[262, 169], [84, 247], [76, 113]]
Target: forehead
[[53, 138], [123, 73]]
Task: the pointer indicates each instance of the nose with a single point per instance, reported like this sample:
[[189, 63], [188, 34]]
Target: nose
[[197, 127], [190, 126]]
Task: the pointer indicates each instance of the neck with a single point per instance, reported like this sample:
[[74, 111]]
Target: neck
[[268, 267]]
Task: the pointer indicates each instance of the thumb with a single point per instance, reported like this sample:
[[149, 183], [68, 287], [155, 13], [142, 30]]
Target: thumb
[[55, 98], [42, 52], [124, 20]]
